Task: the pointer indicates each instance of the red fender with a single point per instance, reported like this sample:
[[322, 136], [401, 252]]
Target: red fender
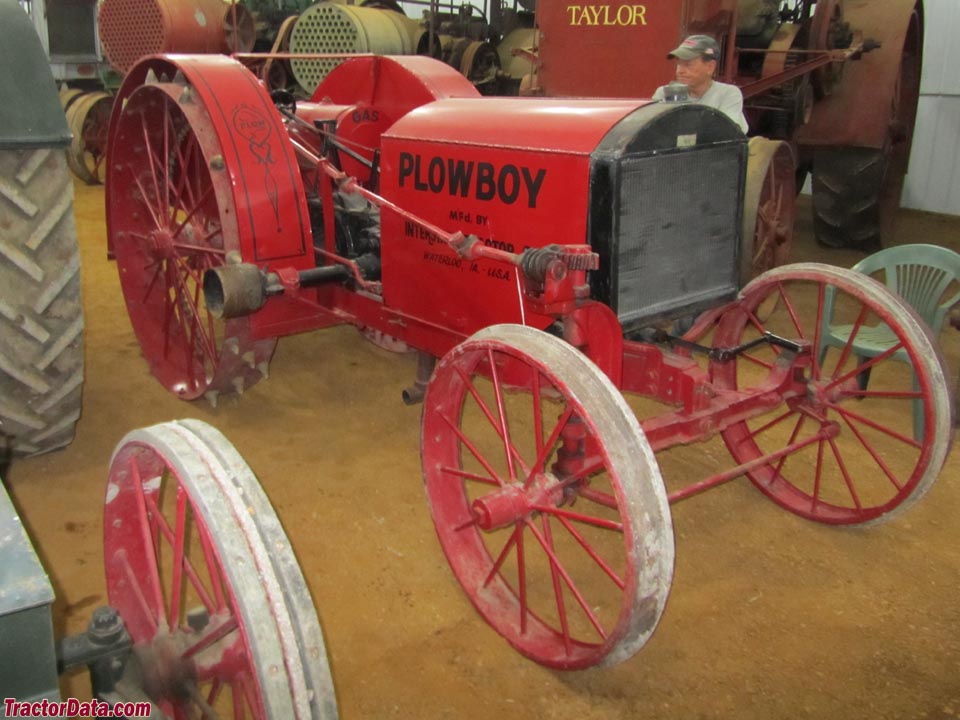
[[272, 219]]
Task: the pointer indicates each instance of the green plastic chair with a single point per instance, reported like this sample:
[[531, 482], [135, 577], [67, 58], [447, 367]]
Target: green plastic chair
[[921, 275]]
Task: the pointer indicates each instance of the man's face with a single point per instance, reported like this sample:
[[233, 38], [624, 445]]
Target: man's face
[[695, 73]]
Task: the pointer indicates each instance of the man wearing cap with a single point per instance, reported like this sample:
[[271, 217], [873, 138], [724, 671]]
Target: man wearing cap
[[697, 59]]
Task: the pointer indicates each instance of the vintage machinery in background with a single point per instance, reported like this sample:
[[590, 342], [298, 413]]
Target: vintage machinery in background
[[68, 33], [41, 318], [850, 122], [541, 267], [209, 613]]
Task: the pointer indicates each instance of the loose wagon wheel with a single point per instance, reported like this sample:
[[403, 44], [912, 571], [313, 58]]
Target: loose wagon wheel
[[172, 217], [204, 579], [768, 208], [548, 503], [863, 461], [89, 120]]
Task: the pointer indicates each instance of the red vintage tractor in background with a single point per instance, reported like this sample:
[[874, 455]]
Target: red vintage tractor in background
[[851, 123], [538, 248]]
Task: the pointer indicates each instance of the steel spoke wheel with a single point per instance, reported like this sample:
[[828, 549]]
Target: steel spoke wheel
[[872, 430], [171, 216], [206, 583], [89, 120], [769, 208], [546, 498]]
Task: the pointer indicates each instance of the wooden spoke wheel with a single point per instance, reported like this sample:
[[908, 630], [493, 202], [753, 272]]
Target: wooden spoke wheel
[[546, 498], [88, 116], [769, 208], [171, 216], [206, 583], [858, 456]]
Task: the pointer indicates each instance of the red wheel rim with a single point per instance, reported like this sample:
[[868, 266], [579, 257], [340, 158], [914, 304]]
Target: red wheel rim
[[873, 465], [96, 127], [774, 236], [543, 536], [172, 217], [166, 579], [769, 209]]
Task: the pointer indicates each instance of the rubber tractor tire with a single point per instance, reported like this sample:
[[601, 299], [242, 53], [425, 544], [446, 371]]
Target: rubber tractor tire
[[848, 197], [41, 317]]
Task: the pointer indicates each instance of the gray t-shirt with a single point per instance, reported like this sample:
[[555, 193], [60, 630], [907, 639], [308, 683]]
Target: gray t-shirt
[[725, 98]]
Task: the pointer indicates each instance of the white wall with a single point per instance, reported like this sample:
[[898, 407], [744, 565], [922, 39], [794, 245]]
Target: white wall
[[933, 181]]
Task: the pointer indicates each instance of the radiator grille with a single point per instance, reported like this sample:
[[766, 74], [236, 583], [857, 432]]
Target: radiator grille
[[676, 232]]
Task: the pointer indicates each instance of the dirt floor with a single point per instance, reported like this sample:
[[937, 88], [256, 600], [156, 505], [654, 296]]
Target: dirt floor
[[770, 616]]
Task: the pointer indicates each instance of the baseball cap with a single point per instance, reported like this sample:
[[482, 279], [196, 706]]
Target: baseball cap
[[702, 46]]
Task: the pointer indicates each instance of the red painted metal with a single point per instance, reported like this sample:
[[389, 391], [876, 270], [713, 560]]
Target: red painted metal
[[477, 227], [206, 583], [608, 49], [256, 168], [880, 465], [138, 529], [537, 173], [825, 433], [618, 48], [133, 29], [381, 90], [499, 501], [178, 218]]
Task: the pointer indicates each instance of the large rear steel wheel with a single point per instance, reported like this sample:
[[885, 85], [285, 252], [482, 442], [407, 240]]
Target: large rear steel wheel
[[548, 503], [172, 217], [864, 462], [206, 583]]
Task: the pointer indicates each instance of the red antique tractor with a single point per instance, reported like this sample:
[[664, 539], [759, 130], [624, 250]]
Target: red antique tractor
[[540, 250]]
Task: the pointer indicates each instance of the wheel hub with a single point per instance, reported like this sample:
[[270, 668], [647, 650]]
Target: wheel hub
[[166, 673], [514, 502], [163, 244], [823, 392], [501, 508], [172, 664]]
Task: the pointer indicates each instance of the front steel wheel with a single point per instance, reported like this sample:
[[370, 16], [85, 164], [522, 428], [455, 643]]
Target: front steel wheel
[[548, 502], [864, 460], [206, 583]]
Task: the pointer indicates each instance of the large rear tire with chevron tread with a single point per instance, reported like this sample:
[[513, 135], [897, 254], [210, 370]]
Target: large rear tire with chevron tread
[[41, 318], [848, 192]]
